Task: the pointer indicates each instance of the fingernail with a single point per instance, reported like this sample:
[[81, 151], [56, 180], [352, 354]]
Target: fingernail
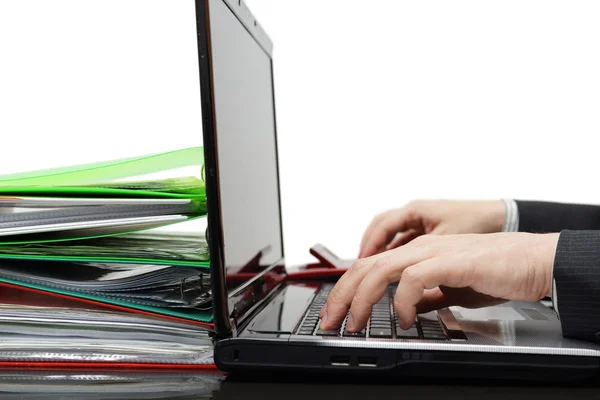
[[401, 323], [324, 320], [323, 310], [350, 323]]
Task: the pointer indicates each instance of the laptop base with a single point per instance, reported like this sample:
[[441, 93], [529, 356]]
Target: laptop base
[[271, 356]]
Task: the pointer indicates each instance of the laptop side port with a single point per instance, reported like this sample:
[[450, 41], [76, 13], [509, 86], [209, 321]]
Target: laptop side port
[[370, 362], [340, 361]]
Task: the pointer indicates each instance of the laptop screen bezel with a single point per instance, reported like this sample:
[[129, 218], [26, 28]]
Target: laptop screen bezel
[[223, 302]]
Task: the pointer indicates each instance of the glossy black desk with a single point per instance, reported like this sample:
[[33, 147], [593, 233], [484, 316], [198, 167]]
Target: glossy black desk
[[213, 385]]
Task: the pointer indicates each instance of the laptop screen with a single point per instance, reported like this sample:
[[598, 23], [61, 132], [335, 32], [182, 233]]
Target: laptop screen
[[246, 148]]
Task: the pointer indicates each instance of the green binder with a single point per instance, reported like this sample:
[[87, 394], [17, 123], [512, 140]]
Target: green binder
[[92, 232]]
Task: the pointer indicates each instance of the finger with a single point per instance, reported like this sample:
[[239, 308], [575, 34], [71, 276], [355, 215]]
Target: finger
[[371, 227], [340, 297], [433, 299], [384, 271], [403, 238], [373, 223], [469, 298], [428, 274], [353, 275], [369, 292], [382, 233]]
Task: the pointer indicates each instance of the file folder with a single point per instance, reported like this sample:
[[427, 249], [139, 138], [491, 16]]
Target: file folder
[[40, 330], [91, 232]]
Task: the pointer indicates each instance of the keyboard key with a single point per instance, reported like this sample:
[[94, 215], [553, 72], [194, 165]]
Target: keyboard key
[[410, 333], [380, 333], [397, 321], [430, 336], [357, 334], [381, 314], [382, 311], [380, 324], [385, 309], [381, 318], [304, 331], [432, 329], [333, 332]]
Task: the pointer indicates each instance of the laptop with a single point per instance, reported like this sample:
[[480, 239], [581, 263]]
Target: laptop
[[266, 318]]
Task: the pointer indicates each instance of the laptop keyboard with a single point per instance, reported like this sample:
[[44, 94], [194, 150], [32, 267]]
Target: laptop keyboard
[[383, 323]]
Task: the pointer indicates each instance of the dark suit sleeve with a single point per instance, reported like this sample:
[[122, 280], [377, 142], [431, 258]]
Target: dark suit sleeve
[[545, 217], [577, 277], [576, 271]]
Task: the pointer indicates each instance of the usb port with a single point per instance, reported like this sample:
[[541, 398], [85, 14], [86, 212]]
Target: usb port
[[340, 361], [370, 362]]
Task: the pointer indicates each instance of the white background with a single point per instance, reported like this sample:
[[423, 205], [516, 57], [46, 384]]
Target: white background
[[378, 102]]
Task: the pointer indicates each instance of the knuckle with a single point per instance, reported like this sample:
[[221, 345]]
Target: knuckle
[[410, 277], [336, 297], [381, 263], [417, 207], [423, 240], [415, 204], [358, 265], [381, 216], [384, 270]]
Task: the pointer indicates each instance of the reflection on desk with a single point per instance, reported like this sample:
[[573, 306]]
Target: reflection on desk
[[112, 385], [350, 387], [107, 385]]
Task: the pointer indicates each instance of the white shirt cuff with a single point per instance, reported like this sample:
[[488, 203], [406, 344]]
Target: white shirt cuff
[[553, 296], [511, 216]]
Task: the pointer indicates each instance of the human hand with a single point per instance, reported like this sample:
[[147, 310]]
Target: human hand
[[434, 272], [394, 228]]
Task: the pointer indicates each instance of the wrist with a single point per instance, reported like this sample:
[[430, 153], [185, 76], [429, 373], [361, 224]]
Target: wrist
[[493, 214], [545, 254]]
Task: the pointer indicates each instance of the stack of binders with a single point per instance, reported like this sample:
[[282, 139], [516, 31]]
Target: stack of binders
[[92, 270]]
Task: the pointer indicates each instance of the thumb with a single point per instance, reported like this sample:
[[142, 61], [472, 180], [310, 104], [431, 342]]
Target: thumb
[[432, 300]]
